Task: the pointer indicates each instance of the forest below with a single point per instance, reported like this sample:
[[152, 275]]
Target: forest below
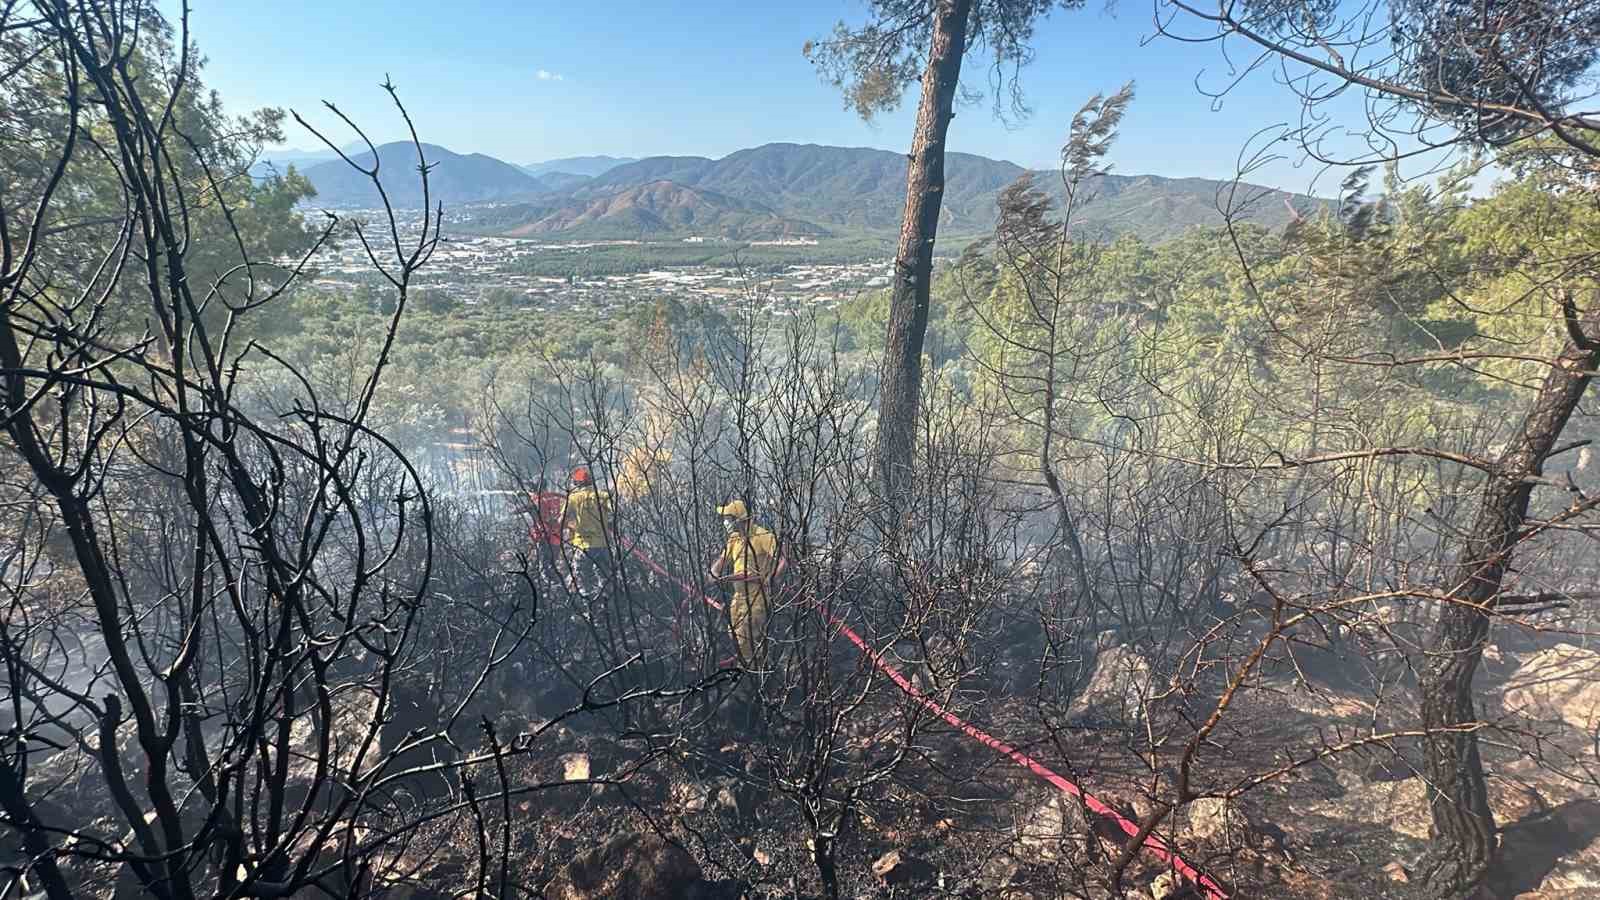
[[1254, 562]]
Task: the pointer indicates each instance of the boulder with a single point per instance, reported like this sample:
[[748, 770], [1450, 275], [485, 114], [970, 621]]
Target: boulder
[[1513, 799], [633, 866], [1577, 874], [1165, 885], [900, 869], [1118, 687], [1396, 872], [1056, 829], [695, 796], [1561, 682], [727, 794], [1402, 805], [999, 871], [1554, 855], [688, 796], [1216, 821], [1499, 662], [575, 767]]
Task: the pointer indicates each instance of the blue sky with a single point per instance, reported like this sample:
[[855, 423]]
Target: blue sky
[[534, 80]]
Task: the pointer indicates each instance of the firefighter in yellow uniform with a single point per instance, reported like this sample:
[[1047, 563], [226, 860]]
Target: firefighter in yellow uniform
[[752, 551], [585, 519]]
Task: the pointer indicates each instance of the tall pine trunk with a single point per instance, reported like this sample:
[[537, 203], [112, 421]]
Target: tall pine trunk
[[901, 383], [1464, 825]]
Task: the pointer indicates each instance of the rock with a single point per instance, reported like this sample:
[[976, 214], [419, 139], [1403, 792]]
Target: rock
[[1576, 877], [900, 869], [1513, 799], [1562, 682], [1056, 829], [1215, 820], [1000, 870], [1556, 789], [689, 796], [1499, 663], [575, 767], [634, 865], [1117, 687], [694, 796], [1397, 873], [1402, 805], [1551, 855], [723, 793], [1165, 885], [353, 713]]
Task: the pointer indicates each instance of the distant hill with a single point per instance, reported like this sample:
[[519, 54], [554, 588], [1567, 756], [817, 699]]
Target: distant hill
[[1155, 208], [681, 169], [561, 182], [298, 158], [588, 166], [280, 160], [775, 190], [653, 209], [454, 180], [863, 191], [834, 186]]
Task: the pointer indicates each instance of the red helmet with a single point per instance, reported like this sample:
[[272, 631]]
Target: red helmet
[[580, 475]]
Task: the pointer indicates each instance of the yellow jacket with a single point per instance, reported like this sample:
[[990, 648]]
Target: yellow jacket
[[753, 555], [586, 514]]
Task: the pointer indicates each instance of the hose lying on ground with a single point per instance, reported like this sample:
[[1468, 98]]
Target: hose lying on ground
[[1152, 843]]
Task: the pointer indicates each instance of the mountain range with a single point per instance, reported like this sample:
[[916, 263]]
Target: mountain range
[[457, 179], [587, 166], [772, 191], [654, 208], [281, 160], [454, 179]]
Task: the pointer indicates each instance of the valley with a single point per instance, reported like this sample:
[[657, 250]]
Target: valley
[[778, 277]]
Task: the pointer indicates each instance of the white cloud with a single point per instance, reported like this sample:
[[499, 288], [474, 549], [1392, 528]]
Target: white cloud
[[547, 75]]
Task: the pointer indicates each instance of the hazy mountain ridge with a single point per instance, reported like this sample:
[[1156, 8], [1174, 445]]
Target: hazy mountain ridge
[[454, 179], [560, 182], [587, 166], [271, 162], [654, 208], [849, 187], [862, 189], [776, 190]]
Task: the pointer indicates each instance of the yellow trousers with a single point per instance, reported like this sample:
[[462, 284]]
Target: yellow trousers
[[747, 616]]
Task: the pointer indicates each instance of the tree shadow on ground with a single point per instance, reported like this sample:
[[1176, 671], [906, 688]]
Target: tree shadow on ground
[[1534, 845]]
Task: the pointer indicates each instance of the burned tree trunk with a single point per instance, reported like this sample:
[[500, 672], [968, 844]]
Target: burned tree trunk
[[900, 391], [37, 840], [1463, 823]]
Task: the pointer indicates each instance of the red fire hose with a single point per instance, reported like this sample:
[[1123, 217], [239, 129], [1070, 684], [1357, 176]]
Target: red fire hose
[[1153, 844]]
